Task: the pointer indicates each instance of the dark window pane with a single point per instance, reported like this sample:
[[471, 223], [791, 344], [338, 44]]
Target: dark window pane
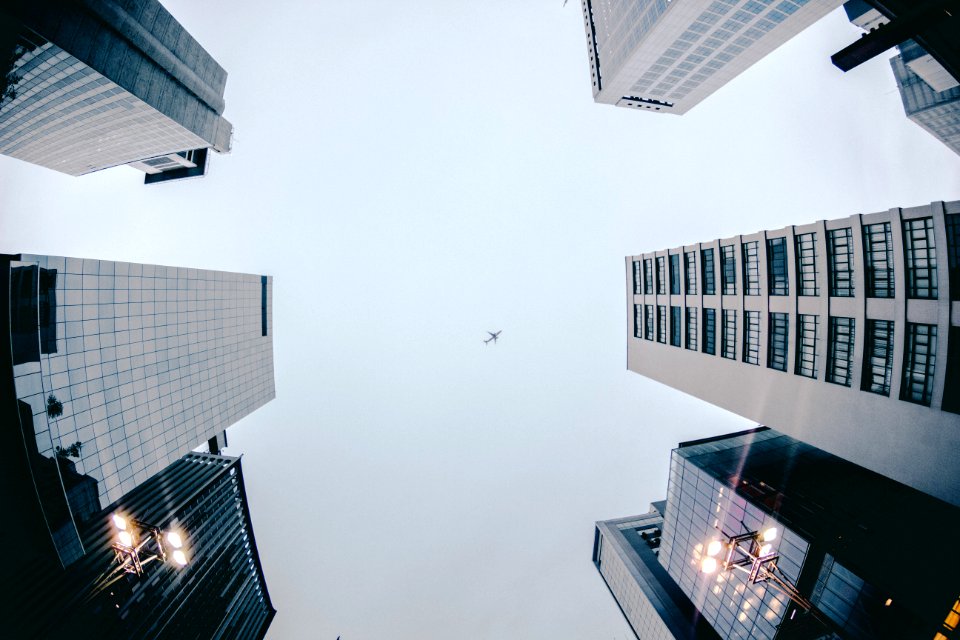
[[951, 385], [637, 277], [690, 266], [878, 357], [692, 328], [263, 305], [661, 277], [921, 258], [751, 337], [710, 331], [675, 326], [728, 265], [648, 319], [729, 342], [919, 363], [777, 347], [840, 261], [24, 301], [878, 260], [709, 281], [648, 276], [661, 324], [953, 253], [777, 267], [637, 320], [806, 245], [841, 338], [808, 330], [674, 274], [751, 269]]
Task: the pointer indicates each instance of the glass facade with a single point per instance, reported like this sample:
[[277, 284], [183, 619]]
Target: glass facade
[[777, 343], [806, 247], [691, 328], [150, 362], [728, 265], [751, 269], [637, 321], [807, 343], [637, 278], [839, 360], [709, 277], [661, 277], [840, 261], [674, 274], [921, 258], [777, 277], [675, 327], [648, 317], [710, 331], [952, 224], [878, 259], [729, 339], [919, 363], [661, 324], [648, 276], [751, 337], [878, 359], [690, 266]]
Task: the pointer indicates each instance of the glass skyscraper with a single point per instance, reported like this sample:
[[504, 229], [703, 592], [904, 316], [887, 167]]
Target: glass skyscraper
[[116, 369], [86, 86]]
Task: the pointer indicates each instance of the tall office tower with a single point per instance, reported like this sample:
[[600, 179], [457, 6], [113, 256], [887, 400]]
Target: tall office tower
[[110, 371], [665, 56], [843, 333], [625, 554], [89, 85], [220, 591], [930, 94], [811, 546]]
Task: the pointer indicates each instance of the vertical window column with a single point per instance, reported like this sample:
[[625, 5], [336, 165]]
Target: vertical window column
[[648, 321], [878, 260], [709, 279], [661, 324], [806, 247], [728, 343], [952, 224], [648, 276], [840, 262], [728, 265], [777, 281], [878, 357], [710, 331], [751, 337], [690, 267], [841, 336], [675, 326], [777, 342], [637, 278], [919, 363], [637, 320], [674, 274], [661, 277], [921, 258], [691, 328], [751, 269], [808, 330]]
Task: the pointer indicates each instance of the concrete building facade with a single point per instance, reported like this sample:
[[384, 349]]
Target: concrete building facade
[[663, 56], [114, 370], [843, 333], [92, 85]]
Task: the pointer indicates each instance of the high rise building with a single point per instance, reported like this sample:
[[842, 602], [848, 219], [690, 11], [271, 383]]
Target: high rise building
[[219, 593], [625, 554], [817, 553], [112, 370], [666, 57], [89, 85], [842, 333], [930, 94]]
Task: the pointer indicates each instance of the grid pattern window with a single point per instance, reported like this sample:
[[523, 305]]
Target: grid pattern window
[[691, 328], [878, 357], [751, 269], [919, 363], [637, 320], [661, 277], [674, 274], [952, 223], [878, 259], [808, 337], [661, 324], [637, 277], [710, 331], [777, 267], [921, 258], [709, 278], [648, 276], [728, 265], [840, 355], [728, 343], [751, 337], [777, 344], [806, 246], [648, 321], [690, 266], [675, 326], [840, 262]]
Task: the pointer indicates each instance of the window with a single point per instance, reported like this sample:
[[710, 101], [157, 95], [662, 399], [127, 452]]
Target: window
[[661, 323], [751, 269], [806, 244], [637, 320], [728, 344], [777, 267], [921, 258], [808, 330], [777, 344], [647, 276], [648, 321], [878, 357], [675, 274], [878, 259], [637, 278], [840, 261], [951, 383], [710, 331], [690, 266], [841, 350], [675, 326], [692, 328], [661, 287], [263, 305], [709, 281], [751, 337], [953, 253], [919, 362], [729, 267]]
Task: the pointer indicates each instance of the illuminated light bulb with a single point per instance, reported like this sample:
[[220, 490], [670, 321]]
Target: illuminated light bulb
[[888, 602], [125, 538], [709, 565], [174, 539], [714, 547], [770, 534], [179, 557], [765, 549], [119, 522]]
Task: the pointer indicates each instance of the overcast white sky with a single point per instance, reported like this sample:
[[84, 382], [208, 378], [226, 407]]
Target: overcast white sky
[[413, 175]]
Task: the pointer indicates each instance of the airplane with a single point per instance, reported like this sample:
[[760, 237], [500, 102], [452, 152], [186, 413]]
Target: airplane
[[493, 336]]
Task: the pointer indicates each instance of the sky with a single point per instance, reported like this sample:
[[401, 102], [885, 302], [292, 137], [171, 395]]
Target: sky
[[414, 175]]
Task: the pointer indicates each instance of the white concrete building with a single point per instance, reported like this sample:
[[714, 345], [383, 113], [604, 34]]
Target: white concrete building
[[665, 56], [843, 333]]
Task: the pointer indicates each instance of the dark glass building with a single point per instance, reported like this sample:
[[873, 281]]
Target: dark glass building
[[219, 593], [90, 85]]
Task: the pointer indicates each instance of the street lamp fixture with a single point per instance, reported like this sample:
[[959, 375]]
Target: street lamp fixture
[[143, 543]]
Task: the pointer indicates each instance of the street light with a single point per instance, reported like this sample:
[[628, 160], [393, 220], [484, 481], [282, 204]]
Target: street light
[[131, 549]]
